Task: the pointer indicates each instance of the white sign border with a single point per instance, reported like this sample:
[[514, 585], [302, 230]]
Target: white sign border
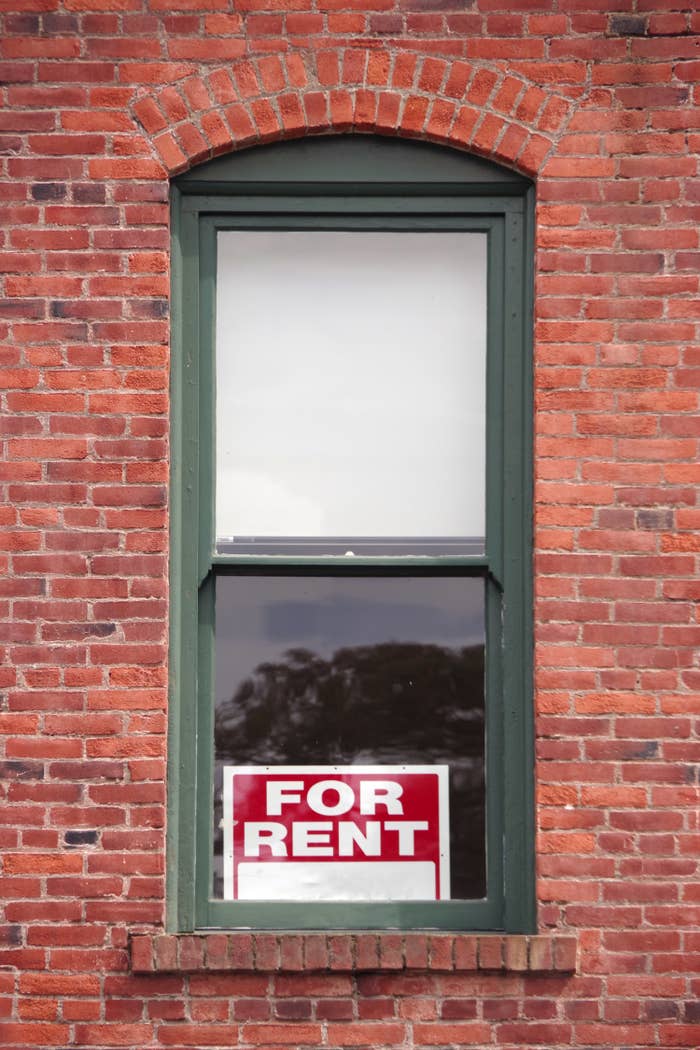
[[442, 772]]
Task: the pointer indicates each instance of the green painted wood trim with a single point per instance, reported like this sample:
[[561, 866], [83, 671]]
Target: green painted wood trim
[[183, 575], [356, 915], [398, 201], [510, 816], [177, 487], [379, 222], [204, 756], [495, 422], [339, 563], [206, 393], [521, 909], [356, 161], [518, 742]]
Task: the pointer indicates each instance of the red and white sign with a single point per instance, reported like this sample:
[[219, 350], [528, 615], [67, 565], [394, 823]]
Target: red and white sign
[[312, 833]]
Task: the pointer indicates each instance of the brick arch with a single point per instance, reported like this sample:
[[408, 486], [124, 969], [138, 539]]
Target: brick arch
[[474, 106]]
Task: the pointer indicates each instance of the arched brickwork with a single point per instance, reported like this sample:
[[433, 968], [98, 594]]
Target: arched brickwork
[[473, 106]]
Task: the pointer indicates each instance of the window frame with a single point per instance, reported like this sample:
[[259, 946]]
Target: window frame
[[433, 188]]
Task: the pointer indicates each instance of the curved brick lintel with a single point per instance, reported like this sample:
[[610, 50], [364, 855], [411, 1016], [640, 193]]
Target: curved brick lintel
[[468, 105], [352, 952]]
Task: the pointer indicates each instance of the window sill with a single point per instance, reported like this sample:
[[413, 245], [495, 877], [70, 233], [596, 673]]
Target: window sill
[[351, 952]]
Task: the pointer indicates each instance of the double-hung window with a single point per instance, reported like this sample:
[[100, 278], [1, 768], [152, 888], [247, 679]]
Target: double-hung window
[[350, 649]]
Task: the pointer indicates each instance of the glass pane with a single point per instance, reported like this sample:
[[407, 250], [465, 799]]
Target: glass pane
[[351, 385], [355, 673]]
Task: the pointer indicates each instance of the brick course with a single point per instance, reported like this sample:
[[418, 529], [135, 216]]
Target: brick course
[[102, 101]]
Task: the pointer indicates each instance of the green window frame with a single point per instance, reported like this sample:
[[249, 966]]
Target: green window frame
[[365, 183]]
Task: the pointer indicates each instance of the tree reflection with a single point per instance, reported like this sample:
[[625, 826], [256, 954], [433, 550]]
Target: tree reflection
[[389, 703]]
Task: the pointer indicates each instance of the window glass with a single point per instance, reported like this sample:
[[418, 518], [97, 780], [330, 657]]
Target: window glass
[[350, 389], [356, 672]]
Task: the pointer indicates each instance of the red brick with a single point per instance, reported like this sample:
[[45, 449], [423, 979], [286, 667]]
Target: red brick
[[458, 78], [90, 99], [274, 1033], [464, 1034]]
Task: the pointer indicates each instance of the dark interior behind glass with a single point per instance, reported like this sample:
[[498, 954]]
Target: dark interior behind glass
[[343, 670]]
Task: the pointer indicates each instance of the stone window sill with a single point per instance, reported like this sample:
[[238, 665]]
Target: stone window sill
[[385, 951]]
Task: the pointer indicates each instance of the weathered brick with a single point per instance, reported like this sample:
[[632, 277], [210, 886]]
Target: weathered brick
[[101, 102]]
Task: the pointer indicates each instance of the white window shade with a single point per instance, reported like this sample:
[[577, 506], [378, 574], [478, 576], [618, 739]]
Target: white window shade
[[350, 384]]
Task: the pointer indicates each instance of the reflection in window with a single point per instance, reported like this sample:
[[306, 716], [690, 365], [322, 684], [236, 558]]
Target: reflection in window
[[357, 670]]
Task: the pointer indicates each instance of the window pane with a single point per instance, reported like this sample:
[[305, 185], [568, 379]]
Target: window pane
[[345, 672], [350, 384]]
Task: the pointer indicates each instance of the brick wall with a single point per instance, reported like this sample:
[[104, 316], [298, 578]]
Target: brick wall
[[101, 101]]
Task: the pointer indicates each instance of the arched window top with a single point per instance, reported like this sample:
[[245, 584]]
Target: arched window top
[[351, 538], [361, 161]]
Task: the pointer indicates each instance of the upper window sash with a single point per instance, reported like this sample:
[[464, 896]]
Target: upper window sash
[[202, 231]]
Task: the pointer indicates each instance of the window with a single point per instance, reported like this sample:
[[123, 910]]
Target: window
[[351, 731]]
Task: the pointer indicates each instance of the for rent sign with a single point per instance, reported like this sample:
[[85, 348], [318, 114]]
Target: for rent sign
[[336, 833]]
